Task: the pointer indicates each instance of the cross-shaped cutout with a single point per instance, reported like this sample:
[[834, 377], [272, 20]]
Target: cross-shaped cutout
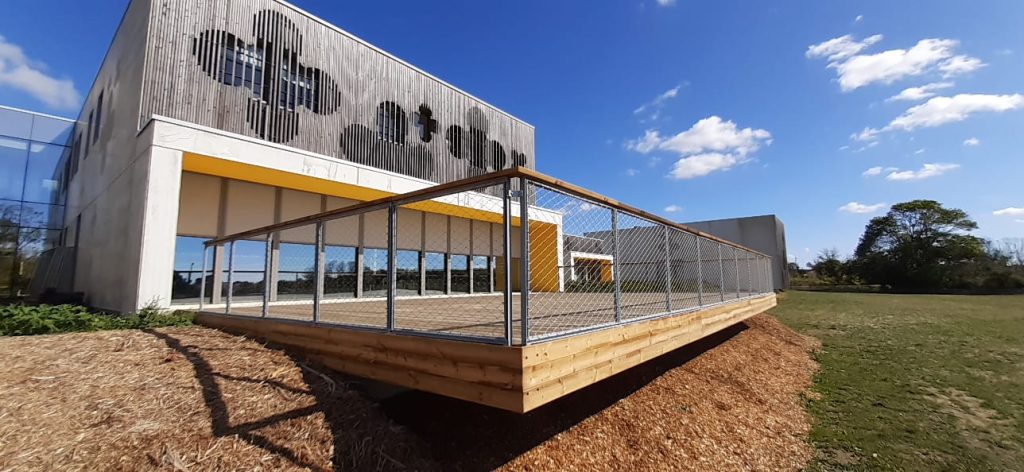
[[428, 125]]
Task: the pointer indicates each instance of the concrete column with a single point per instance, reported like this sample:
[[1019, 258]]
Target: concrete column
[[156, 185], [275, 250]]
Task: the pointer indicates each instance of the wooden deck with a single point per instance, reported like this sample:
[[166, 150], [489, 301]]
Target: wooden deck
[[518, 378]]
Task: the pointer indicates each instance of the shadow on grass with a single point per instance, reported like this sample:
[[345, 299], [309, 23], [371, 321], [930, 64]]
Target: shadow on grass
[[467, 436]]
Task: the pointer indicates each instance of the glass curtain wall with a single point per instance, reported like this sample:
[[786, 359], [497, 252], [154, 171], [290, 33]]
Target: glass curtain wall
[[34, 168]]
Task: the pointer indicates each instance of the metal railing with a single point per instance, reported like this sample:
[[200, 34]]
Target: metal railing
[[512, 257]]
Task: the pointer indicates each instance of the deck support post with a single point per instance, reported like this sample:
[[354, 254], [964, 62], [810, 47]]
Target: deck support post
[[616, 279], [668, 272], [392, 273], [318, 271], [524, 261], [506, 238], [268, 255]]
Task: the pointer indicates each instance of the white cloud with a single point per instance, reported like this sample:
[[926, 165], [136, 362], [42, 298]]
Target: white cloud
[[919, 151], [645, 144], [1009, 211], [872, 171], [699, 165], [855, 70], [919, 93], [860, 208], [21, 73], [632, 172], [877, 170], [925, 172], [657, 102], [941, 110], [972, 142], [867, 134], [858, 19], [838, 49], [710, 145], [666, 3], [961, 64], [673, 209]]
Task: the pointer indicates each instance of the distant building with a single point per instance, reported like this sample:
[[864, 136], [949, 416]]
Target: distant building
[[764, 233]]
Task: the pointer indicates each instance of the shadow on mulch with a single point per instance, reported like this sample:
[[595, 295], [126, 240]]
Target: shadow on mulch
[[458, 435], [467, 436]]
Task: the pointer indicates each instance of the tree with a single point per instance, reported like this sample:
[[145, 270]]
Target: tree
[[828, 265], [917, 245]]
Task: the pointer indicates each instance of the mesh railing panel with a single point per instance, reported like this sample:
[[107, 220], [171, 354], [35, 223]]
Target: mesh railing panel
[[438, 264]]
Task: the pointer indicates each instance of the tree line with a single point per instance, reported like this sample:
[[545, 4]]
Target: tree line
[[921, 246]]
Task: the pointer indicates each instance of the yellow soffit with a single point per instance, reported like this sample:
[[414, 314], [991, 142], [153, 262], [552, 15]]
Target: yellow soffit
[[202, 164]]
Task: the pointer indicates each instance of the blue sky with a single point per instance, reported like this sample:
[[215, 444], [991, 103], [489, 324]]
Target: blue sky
[[692, 109]]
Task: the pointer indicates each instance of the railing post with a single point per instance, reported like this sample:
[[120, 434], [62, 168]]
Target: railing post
[[267, 269], [231, 271], [506, 238], [318, 274], [721, 272], [202, 281], [616, 268], [700, 274], [668, 272], [736, 260], [392, 273], [524, 261]]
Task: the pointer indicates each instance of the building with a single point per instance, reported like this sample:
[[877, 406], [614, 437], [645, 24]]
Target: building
[[33, 168], [764, 233], [286, 180], [207, 118]]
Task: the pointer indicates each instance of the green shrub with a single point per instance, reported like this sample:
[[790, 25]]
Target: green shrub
[[23, 320]]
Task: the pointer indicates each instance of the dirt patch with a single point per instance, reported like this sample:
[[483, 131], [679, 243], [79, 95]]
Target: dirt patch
[[199, 399], [980, 427], [731, 401]]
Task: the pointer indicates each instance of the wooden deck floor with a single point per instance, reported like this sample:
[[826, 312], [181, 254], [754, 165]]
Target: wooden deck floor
[[481, 315], [517, 378]]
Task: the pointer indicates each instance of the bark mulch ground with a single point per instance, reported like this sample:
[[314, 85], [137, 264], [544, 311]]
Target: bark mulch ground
[[199, 399]]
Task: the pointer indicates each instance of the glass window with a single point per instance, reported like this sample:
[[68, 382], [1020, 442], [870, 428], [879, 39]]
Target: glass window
[[13, 157], [41, 215], [247, 278], [460, 273], [481, 274], [391, 123], [339, 271], [375, 272], [41, 184], [99, 118], [436, 279], [10, 213], [51, 130], [295, 276], [30, 245], [407, 273], [85, 152], [13, 123], [188, 269]]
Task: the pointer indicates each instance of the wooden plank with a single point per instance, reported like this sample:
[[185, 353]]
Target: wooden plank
[[612, 359]]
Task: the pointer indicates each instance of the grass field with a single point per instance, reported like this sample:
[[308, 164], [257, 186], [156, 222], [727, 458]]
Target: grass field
[[914, 382]]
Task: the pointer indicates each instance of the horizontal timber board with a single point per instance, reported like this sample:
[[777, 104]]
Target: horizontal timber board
[[599, 360], [513, 378]]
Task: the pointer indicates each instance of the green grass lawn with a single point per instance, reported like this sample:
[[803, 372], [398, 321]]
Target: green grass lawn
[[914, 382]]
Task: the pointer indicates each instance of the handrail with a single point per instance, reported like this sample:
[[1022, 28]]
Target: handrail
[[464, 185]]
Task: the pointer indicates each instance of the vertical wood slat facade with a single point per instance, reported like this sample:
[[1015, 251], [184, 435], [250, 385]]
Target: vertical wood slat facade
[[184, 79]]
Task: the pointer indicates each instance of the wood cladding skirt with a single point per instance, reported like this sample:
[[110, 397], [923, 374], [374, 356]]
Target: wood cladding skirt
[[513, 378]]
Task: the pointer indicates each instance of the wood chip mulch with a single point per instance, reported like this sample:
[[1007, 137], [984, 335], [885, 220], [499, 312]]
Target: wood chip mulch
[[199, 399]]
